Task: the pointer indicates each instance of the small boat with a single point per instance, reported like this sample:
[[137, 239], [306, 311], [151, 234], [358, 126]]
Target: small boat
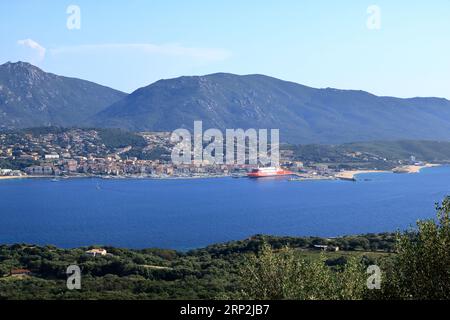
[[237, 175], [347, 179]]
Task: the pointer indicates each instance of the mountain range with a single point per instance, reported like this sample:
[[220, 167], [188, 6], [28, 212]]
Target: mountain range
[[31, 97]]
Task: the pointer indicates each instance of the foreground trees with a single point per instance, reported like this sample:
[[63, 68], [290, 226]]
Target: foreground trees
[[419, 270], [275, 275]]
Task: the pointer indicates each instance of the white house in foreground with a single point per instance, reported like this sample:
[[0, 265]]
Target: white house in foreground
[[96, 252]]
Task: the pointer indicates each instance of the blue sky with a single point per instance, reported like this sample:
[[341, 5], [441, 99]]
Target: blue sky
[[129, 44]]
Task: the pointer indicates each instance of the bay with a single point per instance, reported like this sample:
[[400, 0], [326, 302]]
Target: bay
[[185, 214]]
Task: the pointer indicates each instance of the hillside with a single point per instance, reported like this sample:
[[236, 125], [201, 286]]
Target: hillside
[[30, 97], [304, 115], [429, 151], [206, 273]]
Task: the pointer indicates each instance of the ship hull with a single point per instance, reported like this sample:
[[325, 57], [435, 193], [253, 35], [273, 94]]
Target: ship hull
[[279, 173]]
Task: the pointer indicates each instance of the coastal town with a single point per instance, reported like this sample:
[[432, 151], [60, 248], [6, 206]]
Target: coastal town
[[111, 153], [83, 152]]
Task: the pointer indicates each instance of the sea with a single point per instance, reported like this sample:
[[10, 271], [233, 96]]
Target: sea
[[192, 213]]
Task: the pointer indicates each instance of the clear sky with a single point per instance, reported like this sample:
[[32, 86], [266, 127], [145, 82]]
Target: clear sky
[[320, 43]]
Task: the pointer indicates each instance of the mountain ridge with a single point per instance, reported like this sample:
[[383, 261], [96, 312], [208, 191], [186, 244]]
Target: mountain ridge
[[303, 114], [31, 97]]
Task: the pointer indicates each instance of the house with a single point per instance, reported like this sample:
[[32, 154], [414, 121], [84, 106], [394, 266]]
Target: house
[[5, 172], [71, 165], [96, 252], [326, 248], [29, 157], [34, 170], [20, 272], [47, 170], [51, 156]]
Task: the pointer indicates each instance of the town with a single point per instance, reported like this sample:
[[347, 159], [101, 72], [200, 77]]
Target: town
[[113, 153], [47, 152]]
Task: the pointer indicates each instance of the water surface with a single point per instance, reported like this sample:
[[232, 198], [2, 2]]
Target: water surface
[[183, 214]]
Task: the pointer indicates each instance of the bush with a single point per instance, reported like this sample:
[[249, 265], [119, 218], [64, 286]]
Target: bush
[[421, 269], [272, 275]]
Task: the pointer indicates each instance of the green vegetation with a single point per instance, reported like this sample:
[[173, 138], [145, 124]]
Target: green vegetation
[[206, 273], [383, 242], [284, 275], [419, 270], [374, 151], [111, 138], [117, 138], [381, 155], [18, 164], [414, 264], [423, 150], [157, 153], [124, 274]]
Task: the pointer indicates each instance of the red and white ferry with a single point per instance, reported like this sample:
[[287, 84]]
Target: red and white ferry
[[268, 172]]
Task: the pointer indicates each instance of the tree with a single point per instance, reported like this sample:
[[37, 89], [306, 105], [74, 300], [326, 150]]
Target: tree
[[421, 269], [274, 275]]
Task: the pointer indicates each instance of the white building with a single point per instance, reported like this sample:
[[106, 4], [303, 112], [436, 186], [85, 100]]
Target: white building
[[5, 172], [96, 252], [51, 156]]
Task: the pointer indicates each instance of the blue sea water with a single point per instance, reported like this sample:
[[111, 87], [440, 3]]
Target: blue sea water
[[184, 214]]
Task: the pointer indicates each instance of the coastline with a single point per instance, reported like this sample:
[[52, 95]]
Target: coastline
[[352, 174], [344, 175], [113, 177], [410, 169], [31, 177], [414, 168], [13, 177]]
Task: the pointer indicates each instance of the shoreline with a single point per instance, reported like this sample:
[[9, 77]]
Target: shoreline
[[112, 177], [352, 174], [344, 175], [18, 177], [410, 169], [414, 168], [108, 246]]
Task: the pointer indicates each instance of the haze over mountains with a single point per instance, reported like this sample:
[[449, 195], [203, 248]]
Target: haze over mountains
[[303, 114]]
